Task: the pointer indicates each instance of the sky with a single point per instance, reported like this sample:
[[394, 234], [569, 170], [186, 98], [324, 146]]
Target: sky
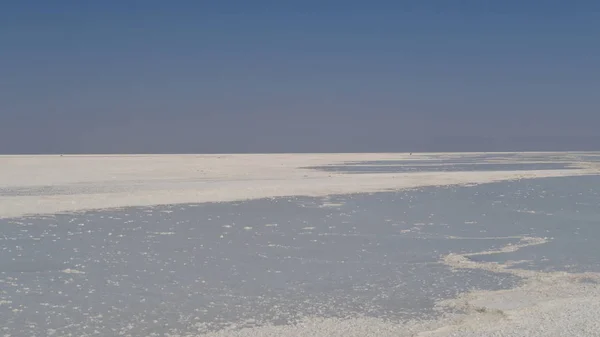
[[263, 76]]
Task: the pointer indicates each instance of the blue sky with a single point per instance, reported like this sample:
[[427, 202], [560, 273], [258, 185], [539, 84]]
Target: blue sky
[[301, 76]]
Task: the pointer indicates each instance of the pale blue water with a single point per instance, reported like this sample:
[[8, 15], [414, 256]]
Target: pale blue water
[[462, 162], [160, 269], [441, 167]]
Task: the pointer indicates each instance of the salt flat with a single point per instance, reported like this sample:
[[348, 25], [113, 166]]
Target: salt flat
[[370, 250], [50, 184]]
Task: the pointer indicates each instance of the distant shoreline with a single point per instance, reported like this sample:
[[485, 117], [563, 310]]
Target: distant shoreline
[[415, 153], [86, 182]]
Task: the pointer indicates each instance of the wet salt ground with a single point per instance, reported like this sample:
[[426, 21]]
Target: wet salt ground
[[566, 210], [464, 162], [444, 166], [188, 268], [155, 270]]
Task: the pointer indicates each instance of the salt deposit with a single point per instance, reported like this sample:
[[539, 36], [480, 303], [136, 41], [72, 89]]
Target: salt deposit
[[51, 184], [545, 304]]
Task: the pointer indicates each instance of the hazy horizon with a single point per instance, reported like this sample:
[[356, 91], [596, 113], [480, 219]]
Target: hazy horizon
[[587, 144]]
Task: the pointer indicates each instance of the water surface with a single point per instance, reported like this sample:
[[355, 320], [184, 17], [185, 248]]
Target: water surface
[[193, 268]]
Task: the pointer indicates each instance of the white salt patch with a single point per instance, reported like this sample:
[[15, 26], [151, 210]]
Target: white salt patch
[[232, 178], [331, 204], [526, 211], [509, 248], [546, 304]]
